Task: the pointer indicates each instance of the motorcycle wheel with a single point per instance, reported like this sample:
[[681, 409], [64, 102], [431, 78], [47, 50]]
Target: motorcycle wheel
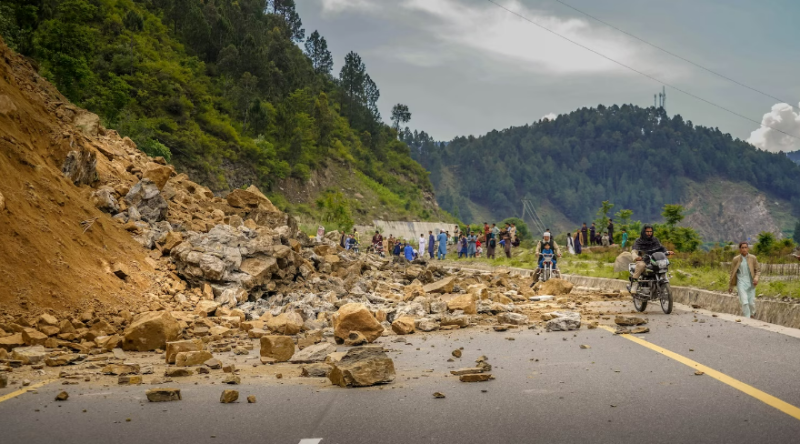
[[639, 304], [666, 299], [546, 274]]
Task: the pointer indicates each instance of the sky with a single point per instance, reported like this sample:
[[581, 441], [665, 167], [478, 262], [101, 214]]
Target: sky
[[467, 67]]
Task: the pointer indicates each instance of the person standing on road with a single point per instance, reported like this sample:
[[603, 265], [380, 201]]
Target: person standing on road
[[491, 245], [571, 243], [745, 273], [472, 240], [442, 245], [496, 232], [577, 241], [584, 235], [592, 234], [624, 238], [422, 243], [431, 243]]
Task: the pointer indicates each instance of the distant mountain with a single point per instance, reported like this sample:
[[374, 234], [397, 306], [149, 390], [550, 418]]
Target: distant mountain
[[638, 158], [795, 156]]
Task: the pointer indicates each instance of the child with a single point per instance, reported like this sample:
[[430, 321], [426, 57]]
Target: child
[[478, 249], [547, 250]]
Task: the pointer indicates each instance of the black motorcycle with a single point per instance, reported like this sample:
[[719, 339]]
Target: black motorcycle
[[653, 283]]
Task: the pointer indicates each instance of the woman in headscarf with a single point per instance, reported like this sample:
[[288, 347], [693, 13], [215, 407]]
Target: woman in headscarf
[[570, 244], [577, 242]]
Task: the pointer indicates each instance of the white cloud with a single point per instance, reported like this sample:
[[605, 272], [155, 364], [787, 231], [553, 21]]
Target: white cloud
[[549, 116], [784, 118], [336, 6]]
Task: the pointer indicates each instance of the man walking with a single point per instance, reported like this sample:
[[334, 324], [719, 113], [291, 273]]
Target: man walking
[[611, 231], [431, 243], [442, 246], [745, 273], [592, 234]]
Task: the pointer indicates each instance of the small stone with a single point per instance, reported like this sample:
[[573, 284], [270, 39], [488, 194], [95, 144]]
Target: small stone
[[699, 373], [129, 380], [178, 372], [640, 330], [229, 396], [251, 399], [213, 364], [63, 396], [279, 375], [457, 353], [163, 395], [502, 327], [585, 347], [438, 395], [228, 368], [629, 320], [26, 382]]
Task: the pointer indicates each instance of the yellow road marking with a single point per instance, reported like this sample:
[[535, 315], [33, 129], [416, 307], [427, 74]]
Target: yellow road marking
[[25, 390], [766, 398]]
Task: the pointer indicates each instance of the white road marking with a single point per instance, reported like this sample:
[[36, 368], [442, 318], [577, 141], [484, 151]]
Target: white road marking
[[310, 441]]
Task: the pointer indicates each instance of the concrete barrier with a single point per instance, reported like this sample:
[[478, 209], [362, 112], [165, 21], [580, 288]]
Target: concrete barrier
[[782, 313]]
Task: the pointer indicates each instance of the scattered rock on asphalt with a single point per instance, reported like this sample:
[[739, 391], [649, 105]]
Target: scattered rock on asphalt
[[63, 396], [3, 380], [456, 353], [640, 330], [585, 347], [178, 372], [629, 320], [163, 394], [121, 369], [362, 367], [699, 373], [314, 353], [251, 399], [317, 370], [129, 380], [475, 377], [355, 317], [438, 395], [232, 380], [403, 325], [279, 348], [229, 396], [563, 320]]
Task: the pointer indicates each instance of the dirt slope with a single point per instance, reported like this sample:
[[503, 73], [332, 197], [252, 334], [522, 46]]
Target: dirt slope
[[46, 258]]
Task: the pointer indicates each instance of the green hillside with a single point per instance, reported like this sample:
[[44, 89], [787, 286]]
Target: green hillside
[[638, 158], [222, 88]]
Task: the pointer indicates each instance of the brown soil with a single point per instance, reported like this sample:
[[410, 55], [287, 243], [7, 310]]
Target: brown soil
[[46, 258]]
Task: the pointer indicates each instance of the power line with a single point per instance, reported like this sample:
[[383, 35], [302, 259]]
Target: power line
[[640, 72], [676, 55]]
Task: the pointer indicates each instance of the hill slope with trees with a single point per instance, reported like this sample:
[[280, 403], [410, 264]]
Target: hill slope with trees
[[638, 158], [221, 88]]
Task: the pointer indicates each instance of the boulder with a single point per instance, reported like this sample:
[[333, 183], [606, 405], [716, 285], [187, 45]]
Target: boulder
[[459, 320], [279, 348], [146, 197], [104, 200], [32, 336], [465, 302], [623, 260], [159, 174], [289, 323], [443, 286], [260, 267], [29, 355], [630, 320], [249, 199], [314, 353], [355, 338], [189, 345], [317, 370], [163, 394], [475, 377], [229, 396], [512, 318], [80, 167], [206, 308], [403, 326], [427, 325], [362, 367], [192, 358], [556, 287], [121, 369], [355, 317], [151, 331], [563, 321]]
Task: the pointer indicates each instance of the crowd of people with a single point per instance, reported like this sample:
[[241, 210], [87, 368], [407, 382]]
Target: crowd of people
[[591, 236]]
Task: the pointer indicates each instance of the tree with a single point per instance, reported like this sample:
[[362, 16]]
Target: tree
[[602, 215], [766, 243], [317, 50], [673, 214], [796, 236], [522, 228], [624, 217], [286, 10], [351, 80], [400, 114]]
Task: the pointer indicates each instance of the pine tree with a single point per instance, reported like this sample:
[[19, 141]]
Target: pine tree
[[317, 50]]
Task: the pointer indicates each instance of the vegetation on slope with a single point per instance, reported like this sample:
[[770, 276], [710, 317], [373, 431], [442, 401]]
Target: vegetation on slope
[[221, 87], [635, 157]]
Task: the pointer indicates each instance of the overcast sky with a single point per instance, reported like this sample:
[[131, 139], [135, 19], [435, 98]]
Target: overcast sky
[[467, 66]]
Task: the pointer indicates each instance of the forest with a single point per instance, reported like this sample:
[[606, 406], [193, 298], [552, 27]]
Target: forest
[[636, 157], [232, 91]]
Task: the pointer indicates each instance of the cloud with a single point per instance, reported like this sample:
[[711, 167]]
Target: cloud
[[549, 116], [484, 33], [784, 118], [336, 6]]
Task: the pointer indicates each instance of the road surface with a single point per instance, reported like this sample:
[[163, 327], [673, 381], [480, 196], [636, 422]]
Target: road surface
[[547, 389]]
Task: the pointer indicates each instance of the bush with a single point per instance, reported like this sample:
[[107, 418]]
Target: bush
[[154, 148]]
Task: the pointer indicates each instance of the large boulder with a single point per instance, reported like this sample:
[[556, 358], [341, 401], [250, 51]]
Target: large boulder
[[623, 260], [355, 317], [192, 358], [146, 197], [512, 318], [159, 174], [556, 287], [190, 345], [279, 348], [260, 267], [563, 321], [314, 353], [289, 323], [443, 286], [104, 200], [363, 367], [403, 325], [250, 199], [151, 331], [465, 302]]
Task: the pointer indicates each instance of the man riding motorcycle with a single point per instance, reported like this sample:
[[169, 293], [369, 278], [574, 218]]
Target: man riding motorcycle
[[546, 238], [644, 246]]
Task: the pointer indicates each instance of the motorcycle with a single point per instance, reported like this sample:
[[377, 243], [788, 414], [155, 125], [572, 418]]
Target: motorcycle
[[653, 283], [549, 269], [377, 248]]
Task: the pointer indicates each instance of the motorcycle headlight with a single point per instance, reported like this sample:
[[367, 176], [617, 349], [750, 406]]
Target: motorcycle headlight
[[662, 263]]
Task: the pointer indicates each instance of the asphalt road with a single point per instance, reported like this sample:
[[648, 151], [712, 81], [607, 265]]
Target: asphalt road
[[616, 391]]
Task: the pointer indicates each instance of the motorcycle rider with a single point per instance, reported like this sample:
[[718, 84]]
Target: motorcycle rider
[[646, 244], [546, 239]]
